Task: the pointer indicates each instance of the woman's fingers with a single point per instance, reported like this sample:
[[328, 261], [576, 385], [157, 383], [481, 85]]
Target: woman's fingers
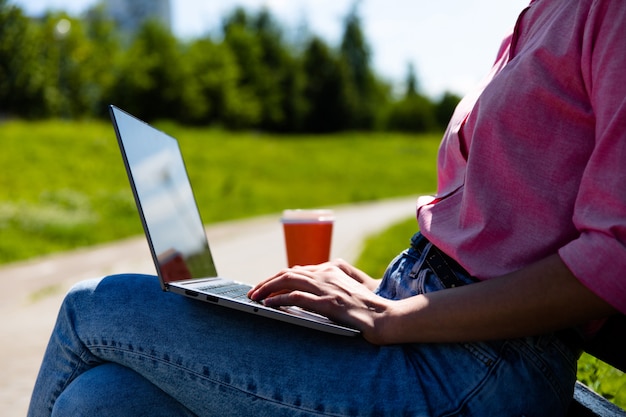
[[286, 281], [327, 289]]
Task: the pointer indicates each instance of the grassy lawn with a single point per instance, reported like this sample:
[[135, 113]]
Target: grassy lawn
[[381, 248], [63, 183]]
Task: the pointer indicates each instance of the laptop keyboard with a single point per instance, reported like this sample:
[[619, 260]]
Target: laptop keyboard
[[231, 290]]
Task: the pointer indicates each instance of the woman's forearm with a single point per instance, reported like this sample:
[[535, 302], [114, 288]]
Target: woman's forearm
[[538, 299]]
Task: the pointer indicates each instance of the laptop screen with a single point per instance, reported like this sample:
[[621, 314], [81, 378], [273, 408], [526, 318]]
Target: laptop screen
[[165, 200]]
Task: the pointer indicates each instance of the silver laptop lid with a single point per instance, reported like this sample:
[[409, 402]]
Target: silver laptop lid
[[165, 200]]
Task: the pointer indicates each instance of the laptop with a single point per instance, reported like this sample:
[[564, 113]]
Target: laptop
[[175, 232]]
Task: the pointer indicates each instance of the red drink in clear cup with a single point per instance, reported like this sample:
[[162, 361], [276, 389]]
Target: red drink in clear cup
[[308, 236]]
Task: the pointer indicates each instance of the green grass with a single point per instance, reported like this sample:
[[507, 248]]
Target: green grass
[[380, 249], [603, 379], [63, 184]]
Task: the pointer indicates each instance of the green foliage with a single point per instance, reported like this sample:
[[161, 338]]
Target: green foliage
[[212, 90], [414, 113], [22, 72], [151, 75], [382, 247], [360, 82], [64, 186], [53, 66], [444, 108], [603, 379], [268, 71], [246, 77], [325, 89]]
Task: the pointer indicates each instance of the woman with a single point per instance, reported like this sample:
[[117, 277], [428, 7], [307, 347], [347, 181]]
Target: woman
[[521, 254]]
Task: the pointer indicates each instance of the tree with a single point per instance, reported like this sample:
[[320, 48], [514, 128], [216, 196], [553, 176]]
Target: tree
[[240, 39], [58, 65], [269, 71], [411, 82], [105, 60], [325, 89], [22, 72], [51, 66], [356, 52], [444, 108], [283, 86], [213, 94], [151, 75], [362, 88], [414, 112], [77, 66]]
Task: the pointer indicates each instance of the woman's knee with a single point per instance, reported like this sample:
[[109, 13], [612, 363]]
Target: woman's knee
[[112, 286]]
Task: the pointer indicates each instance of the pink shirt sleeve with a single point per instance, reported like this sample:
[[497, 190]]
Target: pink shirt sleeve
[[598, 256]]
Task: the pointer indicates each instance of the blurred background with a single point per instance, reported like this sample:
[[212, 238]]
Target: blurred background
[[298, 66]]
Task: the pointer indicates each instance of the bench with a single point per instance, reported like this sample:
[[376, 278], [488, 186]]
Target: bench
[[609, 346]]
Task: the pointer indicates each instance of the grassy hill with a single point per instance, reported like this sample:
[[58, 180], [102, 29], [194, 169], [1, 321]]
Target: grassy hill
[[63, 184]]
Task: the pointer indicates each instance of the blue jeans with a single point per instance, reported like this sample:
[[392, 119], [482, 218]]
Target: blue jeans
[[123, 347]]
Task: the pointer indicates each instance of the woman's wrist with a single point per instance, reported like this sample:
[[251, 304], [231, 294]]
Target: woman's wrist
[[396, 321], [540, 298]]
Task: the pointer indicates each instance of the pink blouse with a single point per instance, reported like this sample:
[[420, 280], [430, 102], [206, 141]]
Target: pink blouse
[[535, 162]]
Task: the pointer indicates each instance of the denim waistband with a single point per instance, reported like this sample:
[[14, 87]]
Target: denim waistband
[[441, 264]]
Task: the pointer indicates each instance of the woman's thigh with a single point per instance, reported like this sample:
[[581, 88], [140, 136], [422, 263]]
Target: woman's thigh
[[219, 361]]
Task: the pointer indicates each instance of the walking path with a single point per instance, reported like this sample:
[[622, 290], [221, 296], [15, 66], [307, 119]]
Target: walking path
[[33, 290]]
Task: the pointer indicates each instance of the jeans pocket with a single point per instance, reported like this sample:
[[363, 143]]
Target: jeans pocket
[[397, 283], [410, 274], [551, 360]]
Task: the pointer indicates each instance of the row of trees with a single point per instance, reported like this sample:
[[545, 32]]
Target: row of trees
[[246, 76]]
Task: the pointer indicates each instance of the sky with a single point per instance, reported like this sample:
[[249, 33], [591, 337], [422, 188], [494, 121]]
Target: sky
[[450, 43]]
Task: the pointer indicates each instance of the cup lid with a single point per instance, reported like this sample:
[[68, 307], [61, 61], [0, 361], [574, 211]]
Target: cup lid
[[307, 215]]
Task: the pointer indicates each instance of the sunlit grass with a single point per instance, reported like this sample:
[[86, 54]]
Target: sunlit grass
[[603, 379], [380, 249], [63, 184]]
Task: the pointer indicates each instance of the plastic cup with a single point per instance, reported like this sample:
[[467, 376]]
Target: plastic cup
[[308, 235]]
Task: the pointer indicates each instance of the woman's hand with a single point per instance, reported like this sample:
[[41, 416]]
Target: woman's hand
[[335, 289], [540, 298]]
